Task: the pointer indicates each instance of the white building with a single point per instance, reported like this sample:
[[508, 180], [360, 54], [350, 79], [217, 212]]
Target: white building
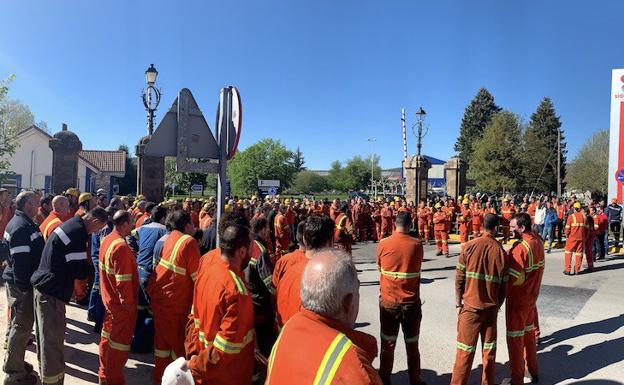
[[31, 165]]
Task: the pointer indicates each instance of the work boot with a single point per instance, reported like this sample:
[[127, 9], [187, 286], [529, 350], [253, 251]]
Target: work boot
[[438, 253], [567, 273]]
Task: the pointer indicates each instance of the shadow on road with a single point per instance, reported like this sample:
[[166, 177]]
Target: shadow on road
[[608, 267], [445, 268], [425, 281], [369, 283], [433, 378], [605, 326]]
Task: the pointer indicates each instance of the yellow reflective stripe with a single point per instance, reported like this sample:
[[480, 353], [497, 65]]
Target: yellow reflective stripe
[[170, 264], [386, 337], [515, 333], [483, 277], [410, 340], [332, 359], [340, 224], [461, 267], [515, 273], [123, 277], [261, 247], [253, 261], [106, 265], [466, 348], [272, 358], [204, 340], [162, 353], [196, 322], [489, 345], [240, 285], [45, 231], [396, 274], [53, 379], [194, 276], [228, 347], [113, 344]]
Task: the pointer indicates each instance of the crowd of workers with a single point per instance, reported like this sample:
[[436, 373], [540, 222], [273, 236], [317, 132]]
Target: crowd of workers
[[277, 298]]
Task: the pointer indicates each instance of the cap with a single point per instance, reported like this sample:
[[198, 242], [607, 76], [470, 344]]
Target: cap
[[466, 201], [101, 192], [505, 199], [437, 205], [85, 197], [141, 197], [72, 191], [577, 205]]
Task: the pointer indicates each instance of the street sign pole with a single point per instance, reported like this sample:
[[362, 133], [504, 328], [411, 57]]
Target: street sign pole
[[222, 131]]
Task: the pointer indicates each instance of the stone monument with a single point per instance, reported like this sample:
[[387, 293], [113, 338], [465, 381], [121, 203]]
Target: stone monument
[[455, 175], [65, 147], [150, 173], [416, 178]]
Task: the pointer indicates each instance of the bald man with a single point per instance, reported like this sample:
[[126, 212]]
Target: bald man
[[59, 214], [320, 338]]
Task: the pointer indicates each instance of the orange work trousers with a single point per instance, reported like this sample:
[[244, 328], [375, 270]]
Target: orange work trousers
[[423, 230], [463, 236], [573, 247], [521, 342], [441, 238], [589, 252], [117, 331], [169, 332], [471, 324]]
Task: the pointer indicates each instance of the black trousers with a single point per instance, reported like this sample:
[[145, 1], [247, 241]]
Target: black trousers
[[407, 317], [615, 230]]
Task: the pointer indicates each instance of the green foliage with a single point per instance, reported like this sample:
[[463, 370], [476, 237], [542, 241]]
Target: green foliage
[[298, 160], [496, 163], [589, 171], [8, 132], [127, 184], [307, 182], [267, 159], [355, 175], [182, 180], [540, 149], [476, 117]]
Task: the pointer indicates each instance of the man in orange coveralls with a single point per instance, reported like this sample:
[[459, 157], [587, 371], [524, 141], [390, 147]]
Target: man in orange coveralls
[[465, 222], [399, 258], [440, 228], [282, 233], [343, 238], [171, 290], [59, 214], [526, 267], [507, 212], [316, 233], [575, 232], [318, 345], [222, 349], [423, 221], [480, 285], [119, 285]]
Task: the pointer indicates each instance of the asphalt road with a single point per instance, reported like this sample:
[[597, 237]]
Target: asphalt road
[[581, 319]]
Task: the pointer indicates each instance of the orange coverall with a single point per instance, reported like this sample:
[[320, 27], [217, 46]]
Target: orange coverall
[[480, 285], [50, 223], [286, 285], [477, 222], [526, 268], [423, 223], [171, 295], [387, 221], [440, 226], [312, 345], [575, 232], [465, 225], [282, 235], [507, 212], [119, 285], [222, 346], [399, 260]]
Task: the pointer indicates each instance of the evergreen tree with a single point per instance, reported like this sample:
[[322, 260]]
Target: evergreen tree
[[540, 149], [477, 115], [496, 164], [298, 160]]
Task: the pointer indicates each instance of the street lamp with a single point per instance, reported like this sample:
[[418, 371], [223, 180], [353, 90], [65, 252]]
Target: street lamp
[[371, 141], [151, 97], [420, 118]]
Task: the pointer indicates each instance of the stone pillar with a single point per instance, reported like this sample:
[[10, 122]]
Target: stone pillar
[[65, 147], [150, 173], [416, 173], [455, 175]]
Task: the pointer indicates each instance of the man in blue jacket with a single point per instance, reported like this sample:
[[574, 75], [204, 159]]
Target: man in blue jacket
[[550, 221], [614, 214]]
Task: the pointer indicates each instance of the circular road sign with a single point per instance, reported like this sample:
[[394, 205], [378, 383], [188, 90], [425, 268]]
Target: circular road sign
[[619, 175], [237, 121]]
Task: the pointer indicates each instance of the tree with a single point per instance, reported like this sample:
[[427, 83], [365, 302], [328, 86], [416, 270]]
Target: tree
[[298, 160], [540, 149], [307, 182], [496, 164], [355, 175], [589, 171], [8, 132], [476, 117], [267, 159], [182, 180], [127, 184]]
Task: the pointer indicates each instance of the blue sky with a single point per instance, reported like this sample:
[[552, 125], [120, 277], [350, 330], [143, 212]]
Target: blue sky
[[324, 75]]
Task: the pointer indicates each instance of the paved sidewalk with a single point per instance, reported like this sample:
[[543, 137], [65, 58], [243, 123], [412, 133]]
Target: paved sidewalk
[[581, 319]]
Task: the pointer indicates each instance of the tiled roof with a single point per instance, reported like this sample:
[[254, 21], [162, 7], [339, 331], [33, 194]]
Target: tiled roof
[[106, 161]]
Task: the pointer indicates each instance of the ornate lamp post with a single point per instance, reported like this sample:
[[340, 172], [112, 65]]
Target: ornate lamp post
[[151, 97], [417, 167]]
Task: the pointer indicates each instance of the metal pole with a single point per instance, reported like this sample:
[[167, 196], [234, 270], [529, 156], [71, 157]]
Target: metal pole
[[419, 144], [224, 129], [558, 162]]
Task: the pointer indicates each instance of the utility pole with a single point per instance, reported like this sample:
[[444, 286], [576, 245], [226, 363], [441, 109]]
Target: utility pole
[[371, 141], [559, 162]]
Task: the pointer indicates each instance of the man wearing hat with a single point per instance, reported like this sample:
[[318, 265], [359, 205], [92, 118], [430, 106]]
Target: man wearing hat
[[72, 195], [575, 232], [86, 202]]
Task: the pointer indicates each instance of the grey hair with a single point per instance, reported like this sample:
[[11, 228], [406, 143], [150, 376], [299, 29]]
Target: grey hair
[[22, 198], [323, 289]]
